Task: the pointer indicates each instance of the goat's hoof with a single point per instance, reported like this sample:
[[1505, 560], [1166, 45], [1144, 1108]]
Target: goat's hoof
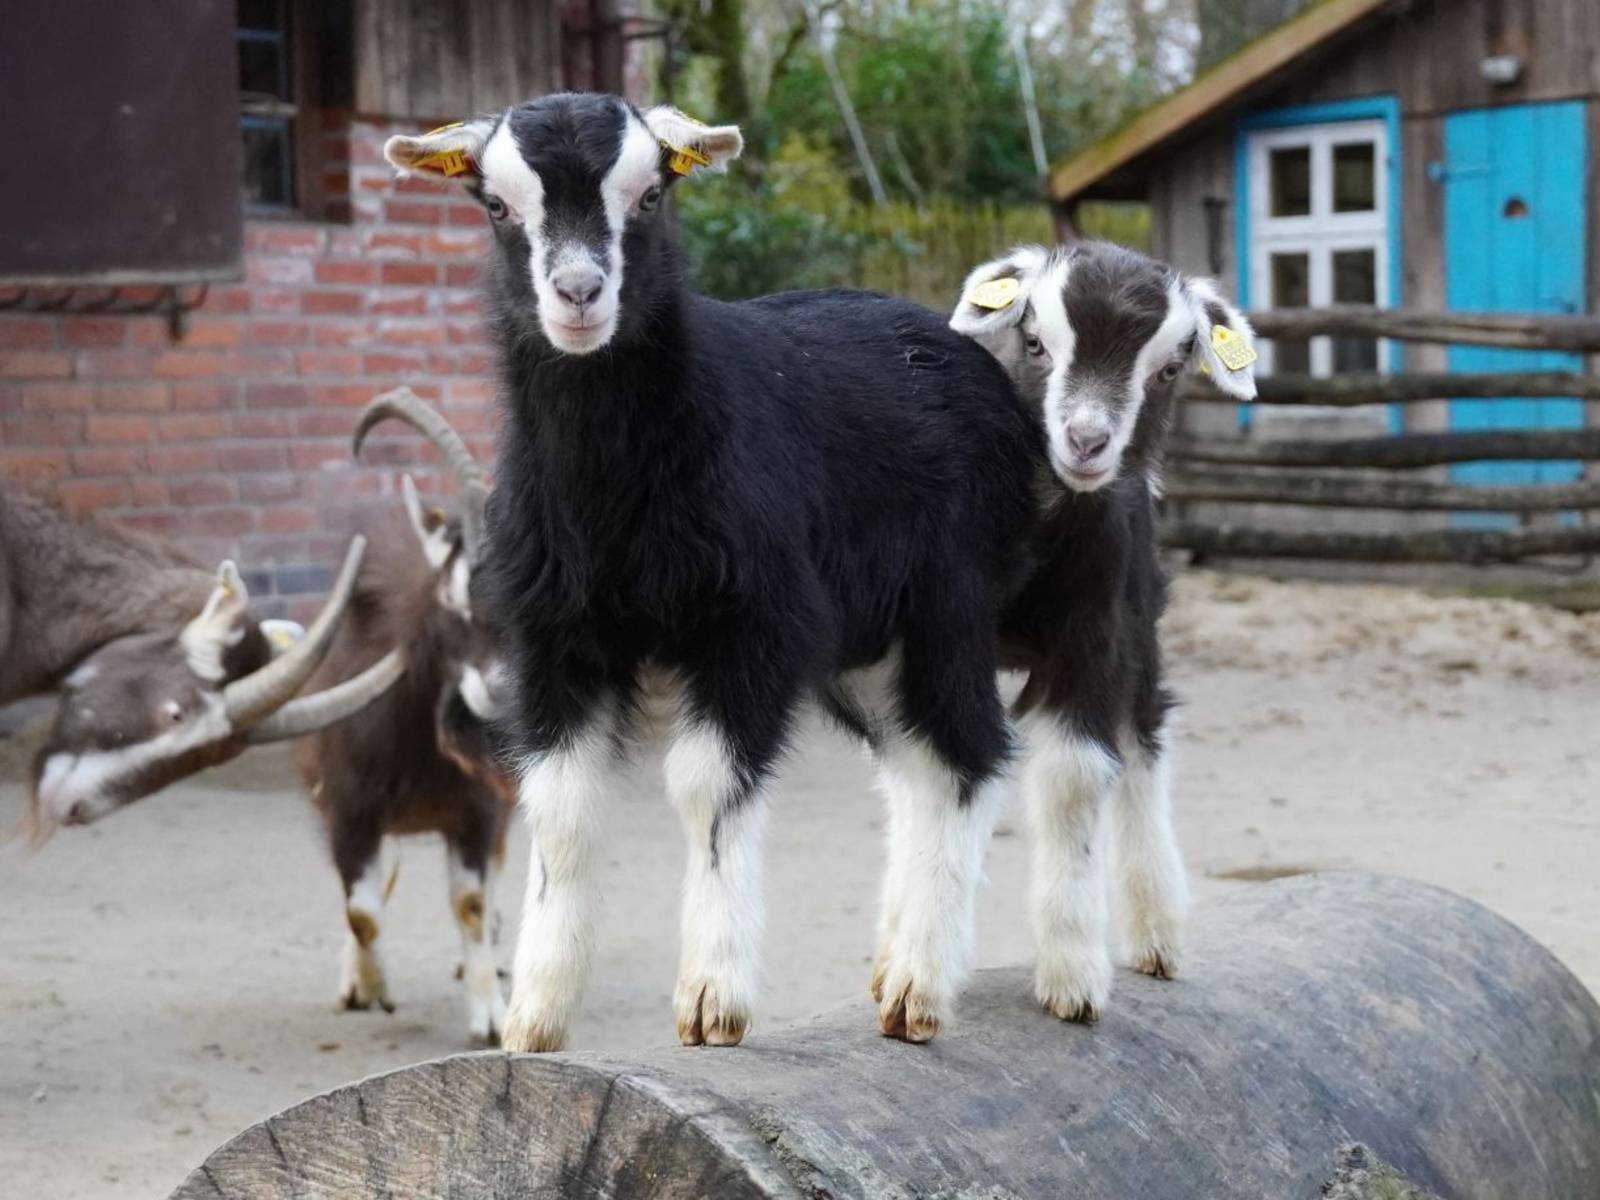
[[524, 1033], [486, 1017], [707, 1016], [1068, 999], [906, 1011], [1155, 962], [361, 993]]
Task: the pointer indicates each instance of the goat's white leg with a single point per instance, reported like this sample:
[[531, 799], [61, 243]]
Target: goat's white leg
[[561, 794], [938, 839], [362, 982], [898, 803], [472, 903], [1067, 785], [1154, 886], [724, 821]]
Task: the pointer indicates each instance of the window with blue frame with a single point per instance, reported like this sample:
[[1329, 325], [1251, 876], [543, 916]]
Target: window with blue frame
[[1319, 233], [267, 106]]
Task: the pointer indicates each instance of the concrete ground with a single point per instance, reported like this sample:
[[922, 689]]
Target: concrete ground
[[167, 977]]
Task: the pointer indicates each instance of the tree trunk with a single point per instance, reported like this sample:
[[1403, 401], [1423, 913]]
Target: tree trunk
[[1313, 1011]]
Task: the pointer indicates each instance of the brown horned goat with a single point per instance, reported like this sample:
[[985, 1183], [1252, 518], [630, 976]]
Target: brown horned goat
[[161, 668], [421, 758]]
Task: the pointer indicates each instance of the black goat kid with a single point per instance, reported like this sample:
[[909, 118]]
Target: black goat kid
[[816, 495], [1095, 338]]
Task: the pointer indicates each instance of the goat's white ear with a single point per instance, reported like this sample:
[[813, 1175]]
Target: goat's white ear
[[451, 152], [691, 143], [221, 624], [281, 633], [429, 524], [1224, 343], [995, 295]]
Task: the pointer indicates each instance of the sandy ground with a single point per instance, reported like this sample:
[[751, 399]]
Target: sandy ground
[[166, 978]]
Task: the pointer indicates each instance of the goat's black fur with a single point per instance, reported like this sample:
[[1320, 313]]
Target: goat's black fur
[[756, 496]]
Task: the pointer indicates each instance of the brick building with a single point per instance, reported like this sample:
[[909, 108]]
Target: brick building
[[232, 437]]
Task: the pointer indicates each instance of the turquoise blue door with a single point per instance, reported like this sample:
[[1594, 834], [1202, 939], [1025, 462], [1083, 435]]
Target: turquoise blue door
[[1515, 242]]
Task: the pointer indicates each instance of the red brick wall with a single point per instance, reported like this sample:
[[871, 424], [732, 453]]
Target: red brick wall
[[235, 439]]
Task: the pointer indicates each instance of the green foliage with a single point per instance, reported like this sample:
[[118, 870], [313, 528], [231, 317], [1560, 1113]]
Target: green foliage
[[935, 84]]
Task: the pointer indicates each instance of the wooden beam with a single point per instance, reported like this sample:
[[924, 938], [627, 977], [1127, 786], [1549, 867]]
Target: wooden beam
[[1470, 546], [1224, 82], [1579, 335], [1393, 453], [1299, 487], [1349, 391]]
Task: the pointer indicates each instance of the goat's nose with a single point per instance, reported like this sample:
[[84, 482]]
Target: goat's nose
[[578, 285], [1086, 444]]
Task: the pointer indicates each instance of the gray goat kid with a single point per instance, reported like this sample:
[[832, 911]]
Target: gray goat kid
[[1096, 336], [423, 757], [161, 668]]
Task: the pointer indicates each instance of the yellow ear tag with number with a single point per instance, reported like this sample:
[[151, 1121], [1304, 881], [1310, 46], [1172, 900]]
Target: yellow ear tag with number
[[683, 159], [1234, 349], [996, 294], [448, 163]]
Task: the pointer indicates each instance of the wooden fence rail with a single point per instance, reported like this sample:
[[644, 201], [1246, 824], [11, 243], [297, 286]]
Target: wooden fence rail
[[1392, 453], [1350, 391], [1580, 335], [1196, 481], [1471, 546]]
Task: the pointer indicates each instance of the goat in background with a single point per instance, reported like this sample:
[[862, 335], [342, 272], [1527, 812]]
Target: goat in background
[[161, 667], [421, 758]]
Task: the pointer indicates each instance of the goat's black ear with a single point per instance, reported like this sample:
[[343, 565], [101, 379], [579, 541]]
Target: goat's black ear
[[1224, 343], [995, 295], [451, 153]]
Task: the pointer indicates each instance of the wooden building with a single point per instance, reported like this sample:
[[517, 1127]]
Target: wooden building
[[224, 267], [1435, 154]]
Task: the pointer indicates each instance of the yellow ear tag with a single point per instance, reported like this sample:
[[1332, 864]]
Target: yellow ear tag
[[996, 294], [443, 128], [280, 639], [448, 163], [683, 159], [1234, 349]]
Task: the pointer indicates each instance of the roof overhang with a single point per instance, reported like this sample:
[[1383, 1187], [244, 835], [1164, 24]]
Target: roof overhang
[[1104, 169]]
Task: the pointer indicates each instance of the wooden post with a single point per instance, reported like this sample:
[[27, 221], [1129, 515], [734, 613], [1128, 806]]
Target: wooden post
[[1312, 1012]]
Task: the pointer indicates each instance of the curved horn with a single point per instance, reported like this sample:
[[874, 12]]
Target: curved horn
[[307, 714], [405, 405], [248, 700]]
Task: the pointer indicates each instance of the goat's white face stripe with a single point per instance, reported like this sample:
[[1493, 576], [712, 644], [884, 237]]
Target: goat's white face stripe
[[637, 169], [510, 178], [1177, 325], [1055, 331], [70, 779]]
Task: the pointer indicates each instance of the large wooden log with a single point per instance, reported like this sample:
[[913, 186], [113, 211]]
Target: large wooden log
[[1392, 453], [1526, 332], [1197, 481], [1470, 546], [1352, 390], [1312, 1012]]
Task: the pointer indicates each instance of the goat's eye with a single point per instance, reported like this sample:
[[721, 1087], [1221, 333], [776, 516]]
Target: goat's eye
[[1169, 372], [651, 199], [1032, 343], [497, 207], [173, 711]]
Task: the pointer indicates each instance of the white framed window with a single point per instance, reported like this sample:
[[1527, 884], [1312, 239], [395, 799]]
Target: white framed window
[[1319, 235]]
